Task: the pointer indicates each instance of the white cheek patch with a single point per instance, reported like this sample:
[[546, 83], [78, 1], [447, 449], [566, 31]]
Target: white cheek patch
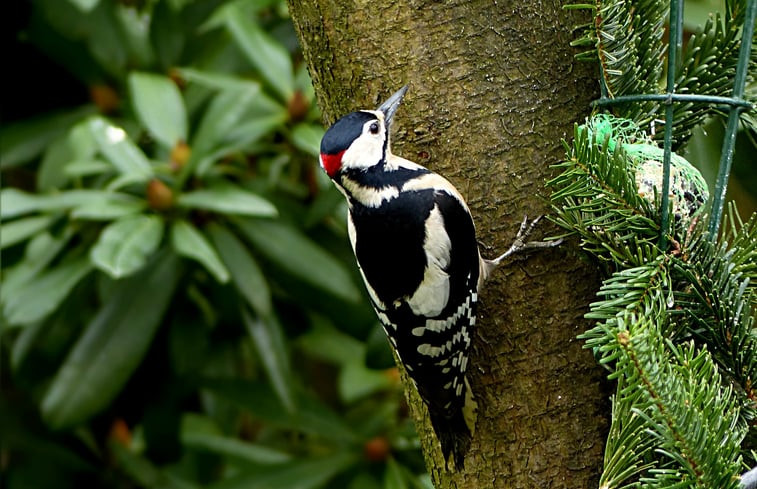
[[433, 293], [364, 152]]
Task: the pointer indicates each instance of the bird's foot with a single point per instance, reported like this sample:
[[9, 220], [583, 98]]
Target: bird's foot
[[520, 245]]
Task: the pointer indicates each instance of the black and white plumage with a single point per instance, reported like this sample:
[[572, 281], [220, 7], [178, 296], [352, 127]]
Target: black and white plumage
[[415, 244]]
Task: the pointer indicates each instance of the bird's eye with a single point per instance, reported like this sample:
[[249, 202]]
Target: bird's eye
[[374, 128]]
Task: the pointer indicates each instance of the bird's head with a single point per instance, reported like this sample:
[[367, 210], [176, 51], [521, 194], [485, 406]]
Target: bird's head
[[360, 139]]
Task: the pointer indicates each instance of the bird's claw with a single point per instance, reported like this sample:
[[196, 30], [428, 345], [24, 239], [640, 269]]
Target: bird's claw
[[520, 244]]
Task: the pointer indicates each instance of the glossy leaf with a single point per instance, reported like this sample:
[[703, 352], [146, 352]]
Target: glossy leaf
[[14, 202], [223, 114], [108, 210], [119, 149], [51, 173], [298, 255], [218, 80], [145, 472], [307, 137], [23, 141], [200, 433], [299, 474], [393, 476], [228, 199], [327, 343], [159, 106], [112, 345], [168, 33], [311, 416], [125, 245], [268, 339], [189, 242], [234, 448], [37, 298], [356, 381], [17, 231], [83, 168], [269, 57], [243, 135], [41, 250], [245, 272], [84, 5]]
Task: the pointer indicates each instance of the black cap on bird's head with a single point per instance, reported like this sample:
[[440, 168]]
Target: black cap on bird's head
[[359, 139]]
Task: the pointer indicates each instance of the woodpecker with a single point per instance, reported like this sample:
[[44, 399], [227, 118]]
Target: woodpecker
[[415, 244]]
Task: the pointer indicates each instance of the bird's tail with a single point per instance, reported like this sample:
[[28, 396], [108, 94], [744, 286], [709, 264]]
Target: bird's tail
[[454, 429], [453, 435]]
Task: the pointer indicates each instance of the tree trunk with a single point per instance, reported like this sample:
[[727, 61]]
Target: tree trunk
[[493, 89]]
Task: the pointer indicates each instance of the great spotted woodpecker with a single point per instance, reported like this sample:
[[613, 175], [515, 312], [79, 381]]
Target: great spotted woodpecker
[[415, 244]]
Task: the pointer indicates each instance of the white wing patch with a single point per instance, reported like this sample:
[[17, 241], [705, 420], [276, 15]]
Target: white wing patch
[[432, 294]]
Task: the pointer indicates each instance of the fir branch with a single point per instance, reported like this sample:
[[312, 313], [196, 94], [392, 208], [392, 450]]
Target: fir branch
[[720, 310], [629, 447], [626, 36], [640, 291], [743, 241], [627, 40], [708, 67], [594, 198], [692, 417]]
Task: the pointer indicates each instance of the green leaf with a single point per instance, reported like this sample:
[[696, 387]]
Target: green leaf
[[223, 115], [258, 397], [228, 199], [125, 245], [234, 448], [85, 168], [218, 80], [271, 347], [244, 134], [112, 345], [200, 433], [84, 5], [299, 256], [300, 474], [189, 242], [25, 140], [168, 32], [51, 173], [41, 250], [245, 272], [270, 58], [307, 137], [356, 381], [327, 343], [393, 476], [14, 202], [159, 106], [17, 231], [36, 299], [108, 210], [119, 149], [144, 472]]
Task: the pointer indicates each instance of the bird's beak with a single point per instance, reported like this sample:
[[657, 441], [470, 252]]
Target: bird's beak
[[390, 106]]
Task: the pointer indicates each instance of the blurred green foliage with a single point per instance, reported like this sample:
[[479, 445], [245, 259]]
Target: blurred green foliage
[[179, 305]]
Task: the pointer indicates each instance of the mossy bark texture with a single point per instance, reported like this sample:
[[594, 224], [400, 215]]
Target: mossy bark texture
[[493, 89]]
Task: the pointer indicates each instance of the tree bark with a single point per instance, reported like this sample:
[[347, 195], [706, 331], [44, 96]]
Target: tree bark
[[493, 89]]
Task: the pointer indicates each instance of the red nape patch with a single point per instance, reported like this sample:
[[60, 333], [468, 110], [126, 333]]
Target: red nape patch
[[331, 163]]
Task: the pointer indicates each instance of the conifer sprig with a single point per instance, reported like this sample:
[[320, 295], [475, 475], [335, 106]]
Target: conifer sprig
[[674, 327]]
